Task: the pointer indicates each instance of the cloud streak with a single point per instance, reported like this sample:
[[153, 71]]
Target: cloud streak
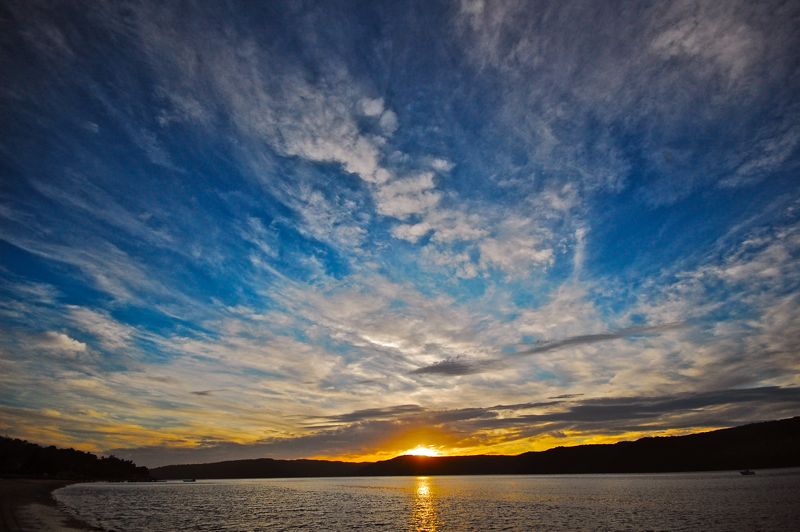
[[461, 366], [587, 339]]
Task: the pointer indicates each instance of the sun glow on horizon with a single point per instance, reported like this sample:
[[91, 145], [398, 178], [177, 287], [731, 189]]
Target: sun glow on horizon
[[421, 450], [509, 447]]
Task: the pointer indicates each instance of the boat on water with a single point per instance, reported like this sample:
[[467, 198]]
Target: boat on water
[[189, 480], [747, 472]]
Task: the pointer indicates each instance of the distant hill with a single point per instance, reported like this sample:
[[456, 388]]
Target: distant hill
[[754, 446], [19, 458], [260, 468]]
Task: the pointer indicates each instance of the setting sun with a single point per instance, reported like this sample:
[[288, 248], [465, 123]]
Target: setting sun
[[421, 450]]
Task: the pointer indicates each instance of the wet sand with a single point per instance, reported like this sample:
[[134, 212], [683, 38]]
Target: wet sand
[[28, 505]]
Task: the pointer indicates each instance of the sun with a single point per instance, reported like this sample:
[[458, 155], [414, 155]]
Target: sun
[[421, 450]]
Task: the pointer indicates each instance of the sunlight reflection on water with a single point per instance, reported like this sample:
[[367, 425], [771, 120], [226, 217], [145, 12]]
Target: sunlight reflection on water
[[423, 513]]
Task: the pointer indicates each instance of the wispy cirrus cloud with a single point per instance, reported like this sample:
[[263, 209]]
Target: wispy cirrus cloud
[[56, 341], [458, 366], [720, 51]]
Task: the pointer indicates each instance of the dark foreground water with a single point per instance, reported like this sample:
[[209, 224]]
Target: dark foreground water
[[769, 500]]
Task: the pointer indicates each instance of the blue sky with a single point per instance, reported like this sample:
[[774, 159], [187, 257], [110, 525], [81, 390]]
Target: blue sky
[[345, 229]]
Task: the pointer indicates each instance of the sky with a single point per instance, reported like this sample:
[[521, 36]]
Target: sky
[[347, 229]]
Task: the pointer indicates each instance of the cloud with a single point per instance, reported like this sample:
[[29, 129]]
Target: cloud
[[712, 34], [442, 165], [448, 226], [372, 107], [629, 409], [767, 156], [267, 99], [460, 366], [60, 342], [334, 219], [670, 59], [388, 122], [376, 413], [481, 241], [514, 249], [403, 197], [586, 339], [112, 335], [109, 268]]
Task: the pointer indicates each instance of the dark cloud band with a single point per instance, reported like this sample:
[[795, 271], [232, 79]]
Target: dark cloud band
[[463, 366]]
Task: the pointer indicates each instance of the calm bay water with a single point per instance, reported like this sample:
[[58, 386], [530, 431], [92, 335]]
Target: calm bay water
[[769, 500]]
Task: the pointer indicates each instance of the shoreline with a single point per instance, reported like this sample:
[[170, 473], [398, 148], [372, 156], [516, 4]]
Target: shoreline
[[28, 505]]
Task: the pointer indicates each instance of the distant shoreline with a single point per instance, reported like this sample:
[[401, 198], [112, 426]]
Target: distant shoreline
[[423, 473], [765, 445], [27, 504]]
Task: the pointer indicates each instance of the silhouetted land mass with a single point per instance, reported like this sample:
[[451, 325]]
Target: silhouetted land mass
[[755, 446], [260, 468], [19, 458]]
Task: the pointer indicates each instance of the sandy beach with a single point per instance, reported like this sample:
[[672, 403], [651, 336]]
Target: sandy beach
[[28, 505]]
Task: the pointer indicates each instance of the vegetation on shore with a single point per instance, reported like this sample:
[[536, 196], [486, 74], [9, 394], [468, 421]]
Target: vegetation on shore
[[20, 458]]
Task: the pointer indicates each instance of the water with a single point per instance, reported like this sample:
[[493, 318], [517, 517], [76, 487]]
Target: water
[[769, 500]]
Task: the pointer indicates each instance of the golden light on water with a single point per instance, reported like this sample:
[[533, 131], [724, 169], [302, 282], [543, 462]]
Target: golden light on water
[[421, 450], [423, 511], [423, 489]]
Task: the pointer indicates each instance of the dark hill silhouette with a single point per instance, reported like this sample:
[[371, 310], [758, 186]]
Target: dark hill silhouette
[[19, 458], [259, 468], [757, 446]]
